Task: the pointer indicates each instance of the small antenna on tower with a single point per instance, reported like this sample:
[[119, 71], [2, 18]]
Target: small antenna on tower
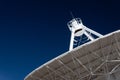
[[72, 15]]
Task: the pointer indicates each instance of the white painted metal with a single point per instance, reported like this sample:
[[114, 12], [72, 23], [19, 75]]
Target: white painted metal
[[98, 59], [78, 29], [95, 60], [71, 40]]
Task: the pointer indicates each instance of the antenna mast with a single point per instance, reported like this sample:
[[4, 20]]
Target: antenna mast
[[72, 15]]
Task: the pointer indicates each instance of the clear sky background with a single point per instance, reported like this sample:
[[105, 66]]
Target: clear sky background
[[33, 32]]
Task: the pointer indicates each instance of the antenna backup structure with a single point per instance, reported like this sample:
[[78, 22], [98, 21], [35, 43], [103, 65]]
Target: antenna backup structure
[[78, 29]]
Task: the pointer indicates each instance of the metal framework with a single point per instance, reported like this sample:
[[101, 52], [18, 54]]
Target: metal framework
[[78, 30], [98, 59]]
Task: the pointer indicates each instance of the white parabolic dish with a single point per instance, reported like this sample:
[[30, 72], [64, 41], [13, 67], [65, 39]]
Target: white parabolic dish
[[95, 60]]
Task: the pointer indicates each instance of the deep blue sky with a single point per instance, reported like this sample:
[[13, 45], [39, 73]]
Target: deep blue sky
[[33, 32]]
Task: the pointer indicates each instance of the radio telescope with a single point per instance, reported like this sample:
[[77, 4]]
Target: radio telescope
[[97, 59]]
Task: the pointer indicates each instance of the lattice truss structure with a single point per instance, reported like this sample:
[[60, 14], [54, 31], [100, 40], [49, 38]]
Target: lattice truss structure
[[97, 60]]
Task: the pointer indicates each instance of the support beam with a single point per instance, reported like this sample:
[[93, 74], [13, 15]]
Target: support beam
[[67, 67], [71, 41], [94, 32], [54, 71], [90, 37]]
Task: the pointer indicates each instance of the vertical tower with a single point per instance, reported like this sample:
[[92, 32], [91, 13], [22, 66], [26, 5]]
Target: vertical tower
[[78, 30]]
